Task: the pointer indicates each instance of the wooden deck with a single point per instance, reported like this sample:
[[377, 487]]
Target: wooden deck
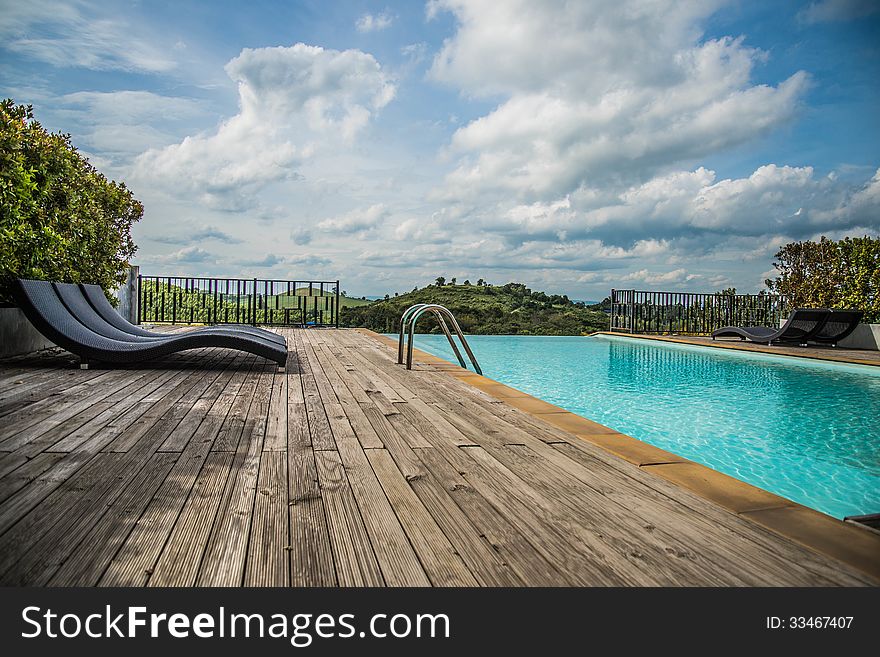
[[212, 468]]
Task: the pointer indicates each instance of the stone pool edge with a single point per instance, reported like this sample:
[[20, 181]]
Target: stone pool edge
[[826, 354], [852, 544]]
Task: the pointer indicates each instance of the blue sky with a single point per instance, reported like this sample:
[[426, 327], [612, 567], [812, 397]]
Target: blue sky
[[574, 146]]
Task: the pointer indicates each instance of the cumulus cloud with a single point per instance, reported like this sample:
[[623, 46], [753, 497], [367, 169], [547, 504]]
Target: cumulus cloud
[[188, 255], [294, 102], [356, 222], [198, 236], [674, 277], [374, 22], [75, 34], [774, 202], [583, 106]]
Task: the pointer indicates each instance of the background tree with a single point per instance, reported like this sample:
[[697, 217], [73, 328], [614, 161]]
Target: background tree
[[830, 274], [60, 219], [452, 280], [441, 281]]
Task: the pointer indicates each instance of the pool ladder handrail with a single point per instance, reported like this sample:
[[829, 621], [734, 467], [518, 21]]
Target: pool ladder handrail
[[408, 325]]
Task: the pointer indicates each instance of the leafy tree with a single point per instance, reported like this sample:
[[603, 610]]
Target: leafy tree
[[466, 282], [452, 280], [441, 281], [60, 219], [481, 282], [830, 274]]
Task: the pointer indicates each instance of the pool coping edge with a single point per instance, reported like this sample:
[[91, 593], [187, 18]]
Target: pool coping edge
[[745, 347], [846, 542]]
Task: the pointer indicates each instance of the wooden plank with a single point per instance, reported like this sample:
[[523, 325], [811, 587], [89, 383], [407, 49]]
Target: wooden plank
[[442, 563], [343, 389], [626, 547], [181, 557], [216, 398], [390, 437], [276, 425], [502, 536], [433, 426], [319, 427], [267, 560], [400, 565], [29, 470], [37, 418], [22, 501], [90, 558], [353, 555], [311, 556], [514, 499], [638, 508], [154, 412], [136, 559], [39, 386], [226, 552], [233, 424], [61, 486], [753, 553], [115, 406], [414, 434], [25, 552]]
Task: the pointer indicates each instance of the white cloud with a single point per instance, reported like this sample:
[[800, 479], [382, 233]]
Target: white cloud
[[122, 124], [374, 22], [675, 277], [198, 236], [187, 255], [294, 102], [583, 106], [76, 34], [355, 222]]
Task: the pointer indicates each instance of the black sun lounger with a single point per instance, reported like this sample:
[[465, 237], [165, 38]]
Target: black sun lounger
[[839, 325], [98, 301], [44, 308], [72, 297], [801, 326]]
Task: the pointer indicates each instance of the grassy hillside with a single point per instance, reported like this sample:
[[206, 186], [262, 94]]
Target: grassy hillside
[[289, 301], [510, 309]]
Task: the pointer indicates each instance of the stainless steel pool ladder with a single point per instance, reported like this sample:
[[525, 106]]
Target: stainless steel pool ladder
[[408, 325]]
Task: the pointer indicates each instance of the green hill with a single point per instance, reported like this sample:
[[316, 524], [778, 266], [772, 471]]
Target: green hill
[[511, 309], [289, 301]]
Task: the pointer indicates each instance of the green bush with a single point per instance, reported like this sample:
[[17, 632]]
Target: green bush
[[60, 219], [829, 274]]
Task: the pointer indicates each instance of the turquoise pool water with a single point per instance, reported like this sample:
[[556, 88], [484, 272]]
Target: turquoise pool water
[[806, 430]]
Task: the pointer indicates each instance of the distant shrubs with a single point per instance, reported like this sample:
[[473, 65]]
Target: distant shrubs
[[60, 219], [831, 274]]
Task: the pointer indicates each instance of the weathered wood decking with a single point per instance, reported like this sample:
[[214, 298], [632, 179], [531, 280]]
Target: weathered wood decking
[[214, 469]]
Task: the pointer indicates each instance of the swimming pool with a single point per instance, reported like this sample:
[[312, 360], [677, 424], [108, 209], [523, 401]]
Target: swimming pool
[[805, 430]]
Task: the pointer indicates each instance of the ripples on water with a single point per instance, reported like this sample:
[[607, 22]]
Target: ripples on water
[[804, 430]]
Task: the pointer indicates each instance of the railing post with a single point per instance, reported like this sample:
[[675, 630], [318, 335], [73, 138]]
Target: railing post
[[338, 309], [254, 305]]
